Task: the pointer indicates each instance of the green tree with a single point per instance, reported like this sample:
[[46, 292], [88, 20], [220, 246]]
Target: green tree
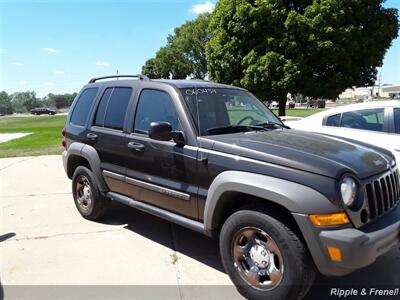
[[316, 48], [24, 101], [191, 39], [5, 104], [150, 69], [59, 100], [184, 55]]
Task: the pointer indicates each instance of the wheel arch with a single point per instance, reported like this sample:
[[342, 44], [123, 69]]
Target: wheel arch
[[81, 154], [232, 190]]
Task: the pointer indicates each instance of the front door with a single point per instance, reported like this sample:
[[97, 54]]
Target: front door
[[165, 172], [395, 134]]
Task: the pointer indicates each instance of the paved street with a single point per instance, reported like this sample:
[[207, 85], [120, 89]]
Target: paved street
[[44, 241]]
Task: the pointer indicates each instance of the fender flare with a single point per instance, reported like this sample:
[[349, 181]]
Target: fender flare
[[294, 197], [90, 154]]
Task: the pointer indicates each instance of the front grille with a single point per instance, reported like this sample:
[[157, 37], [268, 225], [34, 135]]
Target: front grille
[[383, 194]]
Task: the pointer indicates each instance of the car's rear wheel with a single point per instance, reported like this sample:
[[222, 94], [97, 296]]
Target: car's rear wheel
[[264, 258], [90, 203]]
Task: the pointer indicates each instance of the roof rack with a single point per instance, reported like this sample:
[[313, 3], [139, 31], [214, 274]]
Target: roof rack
[[139, 76]]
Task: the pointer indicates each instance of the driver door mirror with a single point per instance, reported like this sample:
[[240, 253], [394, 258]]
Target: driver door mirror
[[162, 131]]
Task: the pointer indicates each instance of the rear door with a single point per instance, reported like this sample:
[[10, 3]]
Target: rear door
[[107, 135]]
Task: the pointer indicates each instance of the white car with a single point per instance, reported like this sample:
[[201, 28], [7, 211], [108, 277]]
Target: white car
[[274, 104], [376, 123]]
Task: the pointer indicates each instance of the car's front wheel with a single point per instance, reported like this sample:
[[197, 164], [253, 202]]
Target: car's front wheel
[[90, 203], [264, 258]]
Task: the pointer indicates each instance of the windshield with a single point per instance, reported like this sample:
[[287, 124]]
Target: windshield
[[221, 108]]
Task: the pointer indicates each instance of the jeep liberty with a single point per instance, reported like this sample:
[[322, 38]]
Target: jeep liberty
[[211, 157]]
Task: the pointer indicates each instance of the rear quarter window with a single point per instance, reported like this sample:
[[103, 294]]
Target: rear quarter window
[[333, 121], [82, 107]]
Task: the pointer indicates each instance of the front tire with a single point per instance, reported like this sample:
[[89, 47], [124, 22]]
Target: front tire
[[90, 203], [264, 258]]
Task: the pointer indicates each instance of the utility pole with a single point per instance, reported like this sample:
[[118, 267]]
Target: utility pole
[[379, 83]]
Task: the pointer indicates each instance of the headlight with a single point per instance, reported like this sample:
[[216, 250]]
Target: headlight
[[348, 190]]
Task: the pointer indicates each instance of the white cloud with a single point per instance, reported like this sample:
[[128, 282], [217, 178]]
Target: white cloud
[[23, 82], [59, 72], [17, 63], [48, 83], [50, 50], [102, 63], [205, 7], [2, 50]]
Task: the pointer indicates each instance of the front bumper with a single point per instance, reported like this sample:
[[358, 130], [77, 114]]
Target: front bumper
[[359, 247]]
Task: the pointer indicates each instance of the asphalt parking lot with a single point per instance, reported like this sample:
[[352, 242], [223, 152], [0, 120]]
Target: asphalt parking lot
[[44, 242]]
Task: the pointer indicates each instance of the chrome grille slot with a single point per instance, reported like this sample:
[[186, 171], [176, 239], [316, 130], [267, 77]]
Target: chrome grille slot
[[383, 194]]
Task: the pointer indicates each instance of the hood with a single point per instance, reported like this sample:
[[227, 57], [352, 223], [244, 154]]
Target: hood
[[307, 151]]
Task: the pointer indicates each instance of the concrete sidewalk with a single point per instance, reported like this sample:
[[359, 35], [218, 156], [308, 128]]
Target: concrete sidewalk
[[44, 241], [47, 242]]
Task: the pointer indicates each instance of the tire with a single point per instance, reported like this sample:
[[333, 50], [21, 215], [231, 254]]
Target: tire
[[281, 254], [90, 203]]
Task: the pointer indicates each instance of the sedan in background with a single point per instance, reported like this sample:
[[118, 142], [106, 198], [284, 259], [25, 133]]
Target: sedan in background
[[43, 111], [376, 123]]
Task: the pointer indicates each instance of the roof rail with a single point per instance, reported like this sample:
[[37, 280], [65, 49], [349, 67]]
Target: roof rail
[[139, 76]]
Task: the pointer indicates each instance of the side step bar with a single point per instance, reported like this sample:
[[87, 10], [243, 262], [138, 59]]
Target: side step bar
[[159, 212]]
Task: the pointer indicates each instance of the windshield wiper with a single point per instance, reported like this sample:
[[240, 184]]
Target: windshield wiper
[[271, 124], [233, 129]]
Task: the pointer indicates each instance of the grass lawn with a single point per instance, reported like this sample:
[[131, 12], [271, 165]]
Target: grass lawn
[[45, 138], [300, 112]]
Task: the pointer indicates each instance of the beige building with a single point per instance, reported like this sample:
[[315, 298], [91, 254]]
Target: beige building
[[369, 92]]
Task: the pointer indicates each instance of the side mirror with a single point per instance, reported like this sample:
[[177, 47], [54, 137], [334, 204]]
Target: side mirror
[[162, 131]]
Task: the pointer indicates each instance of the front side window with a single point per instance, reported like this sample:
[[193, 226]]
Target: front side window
[[367, 119], [82, 107], [155, 106], [225, 110], [397, 120], [112, 108]]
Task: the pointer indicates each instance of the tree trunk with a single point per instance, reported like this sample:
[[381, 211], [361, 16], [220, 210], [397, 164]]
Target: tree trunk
[[282, 107]]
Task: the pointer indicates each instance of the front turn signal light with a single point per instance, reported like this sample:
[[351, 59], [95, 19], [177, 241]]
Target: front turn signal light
[[330, 219], [334, 253]]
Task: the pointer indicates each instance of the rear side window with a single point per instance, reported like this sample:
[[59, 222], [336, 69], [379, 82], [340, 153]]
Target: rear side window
[[101, 109], [397, 120], [112, 108], [368, 119], [116, 108], [333, 120], [82, 107]]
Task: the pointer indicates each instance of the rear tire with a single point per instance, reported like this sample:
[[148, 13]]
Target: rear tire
[[90, 203], [264, 258]]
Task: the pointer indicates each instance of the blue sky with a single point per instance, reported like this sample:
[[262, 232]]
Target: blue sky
[[57, 46]]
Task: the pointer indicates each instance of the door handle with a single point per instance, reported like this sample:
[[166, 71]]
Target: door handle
[[136, 146], [92, 136]]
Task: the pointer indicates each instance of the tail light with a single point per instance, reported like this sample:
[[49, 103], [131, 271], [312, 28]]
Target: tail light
[[64, 139]]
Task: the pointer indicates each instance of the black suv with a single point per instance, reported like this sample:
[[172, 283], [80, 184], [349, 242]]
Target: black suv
[[211, 157]]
